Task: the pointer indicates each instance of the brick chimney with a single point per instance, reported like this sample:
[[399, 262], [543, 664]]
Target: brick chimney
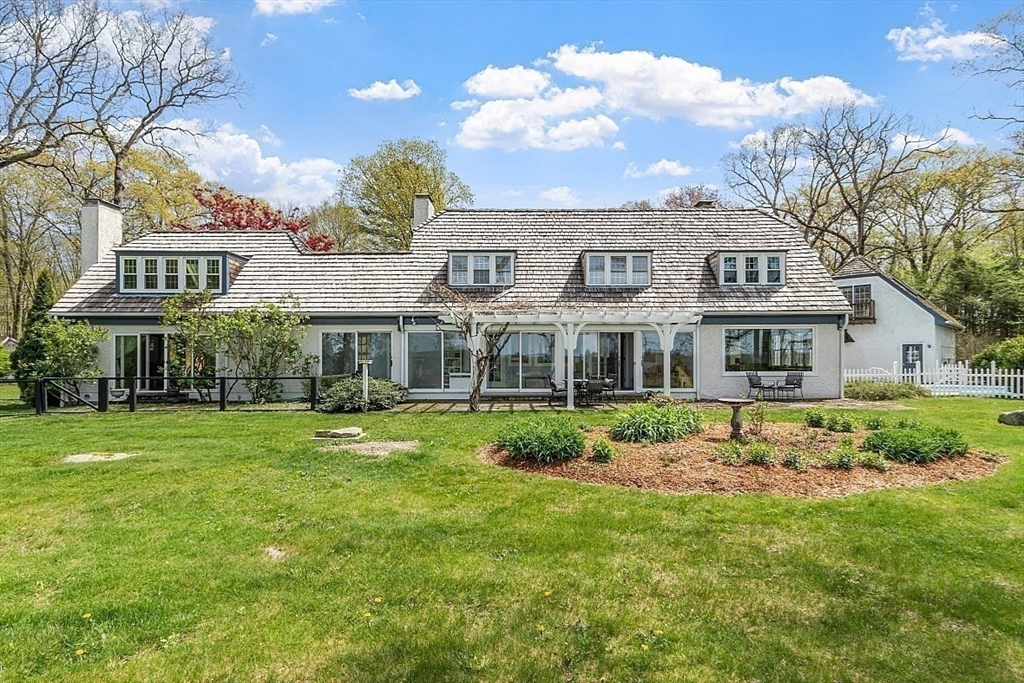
[[101, 230], [422, 209]]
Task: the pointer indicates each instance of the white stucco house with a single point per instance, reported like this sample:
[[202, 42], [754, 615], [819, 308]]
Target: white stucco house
[[892, 323], [682, 302]]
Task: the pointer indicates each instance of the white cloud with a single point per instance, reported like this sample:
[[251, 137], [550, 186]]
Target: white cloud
[[271, 7], [946, 137], [637, 82], [516, 81], [268, 136], [538, 123], [933, 43], [562, 194], [663, 167], [751, 139], [233, 157], [959, 137], [459, 105], [387, 91], [268, 39], [619, 145], [511, 193]]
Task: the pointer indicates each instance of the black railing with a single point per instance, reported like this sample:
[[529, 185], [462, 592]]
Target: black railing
[[863, 312], [67, 388]]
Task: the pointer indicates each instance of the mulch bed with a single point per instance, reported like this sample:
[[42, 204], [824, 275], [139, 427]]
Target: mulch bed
[[689, 466]]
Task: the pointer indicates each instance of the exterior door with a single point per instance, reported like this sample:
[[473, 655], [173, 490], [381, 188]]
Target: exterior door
[[153, 363], [912, 357]]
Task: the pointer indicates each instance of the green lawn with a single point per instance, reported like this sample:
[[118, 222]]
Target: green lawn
[[481, 573]]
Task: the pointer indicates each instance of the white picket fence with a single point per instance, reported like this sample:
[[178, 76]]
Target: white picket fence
[[949, 379]]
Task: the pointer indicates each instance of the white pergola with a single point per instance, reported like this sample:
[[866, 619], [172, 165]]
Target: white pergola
[[570, 323]]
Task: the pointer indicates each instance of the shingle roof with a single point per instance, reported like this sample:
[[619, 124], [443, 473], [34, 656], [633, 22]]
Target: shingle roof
[[860, 266], [548, 268]]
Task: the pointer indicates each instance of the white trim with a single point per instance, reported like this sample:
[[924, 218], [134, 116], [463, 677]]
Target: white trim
[[607, 269], [161, 273], [492, 265]]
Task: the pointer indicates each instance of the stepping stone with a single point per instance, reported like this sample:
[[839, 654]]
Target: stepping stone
[[343, 433]]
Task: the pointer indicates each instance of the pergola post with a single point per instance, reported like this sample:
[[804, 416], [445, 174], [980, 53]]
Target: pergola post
[[570, 334], [666, 336]]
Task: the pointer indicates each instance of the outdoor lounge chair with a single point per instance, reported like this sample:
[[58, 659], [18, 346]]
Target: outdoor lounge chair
[[793, 383], [557, 393], [757, 387]]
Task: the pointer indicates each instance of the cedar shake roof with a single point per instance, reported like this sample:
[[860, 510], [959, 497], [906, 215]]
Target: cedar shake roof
[[549, 273], [860, 266]]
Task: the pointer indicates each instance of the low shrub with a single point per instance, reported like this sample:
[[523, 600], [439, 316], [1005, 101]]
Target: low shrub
[[603, 451], [866, 390], [1007, 354], [840, 422], [730, 453], [815, 417], [794, 459], [345, 395], [873, 461], [761, 453], [543, 440], [916, 444], [906, 423], [875, 422], [651, 423], [844, 457]]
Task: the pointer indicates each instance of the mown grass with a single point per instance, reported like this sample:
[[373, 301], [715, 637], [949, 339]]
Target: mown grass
[[481, 573]]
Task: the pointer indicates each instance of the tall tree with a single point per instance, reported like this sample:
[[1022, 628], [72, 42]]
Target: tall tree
[[48, 74], [31, 350], [382, 186], [340, 222]]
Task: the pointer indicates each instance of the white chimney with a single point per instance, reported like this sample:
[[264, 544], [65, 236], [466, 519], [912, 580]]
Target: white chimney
[[101, 230], [422, 209]]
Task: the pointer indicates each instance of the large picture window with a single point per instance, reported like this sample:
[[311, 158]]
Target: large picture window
[[769, 349], [342, 351], [522, 360], [680, 368]]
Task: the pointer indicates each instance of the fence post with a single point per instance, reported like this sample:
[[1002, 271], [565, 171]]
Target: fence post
[[133, 396], [314, 391], [223, 387], [103, 386], [40, 393]]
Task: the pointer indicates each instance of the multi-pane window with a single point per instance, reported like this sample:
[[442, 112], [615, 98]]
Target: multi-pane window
[[213, 274], [192, 273], [618, 270], [171, 274], [730, 274], [460, 270], [342, 351], [130, 273], [481, 270], [857, 294], [752, 269], [151, 272]]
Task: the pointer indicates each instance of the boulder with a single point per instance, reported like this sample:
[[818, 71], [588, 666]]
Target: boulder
[[343, 433], [1014, 418]]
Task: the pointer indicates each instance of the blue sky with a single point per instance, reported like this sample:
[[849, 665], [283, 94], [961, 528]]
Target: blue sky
[[568, 104]]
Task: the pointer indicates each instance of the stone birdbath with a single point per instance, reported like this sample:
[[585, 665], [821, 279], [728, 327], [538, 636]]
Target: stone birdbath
[[737, 404]]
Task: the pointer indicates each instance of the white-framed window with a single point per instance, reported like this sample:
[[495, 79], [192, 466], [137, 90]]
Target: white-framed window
[[480, 269], [752, 268], [129, 273], [769, 349], [618, 270], [857, 294], [340, 353], [171, 274]]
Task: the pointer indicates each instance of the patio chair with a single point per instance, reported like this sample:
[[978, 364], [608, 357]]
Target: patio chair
[[757, 387], [595, 387], [793, 383], [610, 383], [557, 393]]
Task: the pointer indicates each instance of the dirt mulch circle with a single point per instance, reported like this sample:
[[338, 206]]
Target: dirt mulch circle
[[689, 466]]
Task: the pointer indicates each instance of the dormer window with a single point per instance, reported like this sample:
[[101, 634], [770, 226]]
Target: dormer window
[[479, 269], [756, 268], [171, 274], [606, 269]]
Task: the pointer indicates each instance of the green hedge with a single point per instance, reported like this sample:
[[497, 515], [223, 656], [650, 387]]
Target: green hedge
[[866, 390], [345, 395]]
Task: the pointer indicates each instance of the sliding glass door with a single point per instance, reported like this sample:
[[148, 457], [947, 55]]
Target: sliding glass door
[[605, 355], [522, 361]]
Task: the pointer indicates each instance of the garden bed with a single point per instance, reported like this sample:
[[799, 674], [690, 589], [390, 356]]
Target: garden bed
[[693, 465]]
